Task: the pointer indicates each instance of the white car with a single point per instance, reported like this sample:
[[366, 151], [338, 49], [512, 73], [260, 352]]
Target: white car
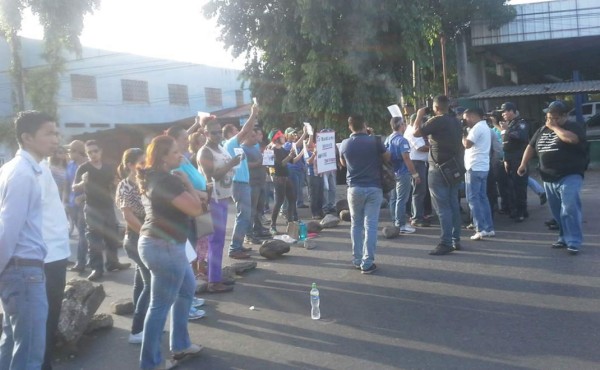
[[587, 111]]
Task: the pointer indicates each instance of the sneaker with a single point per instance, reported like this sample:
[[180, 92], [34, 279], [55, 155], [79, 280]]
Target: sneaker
[[136, 338], [197, 302], [441, 249], [407, 229], [573, 250], [478, 235], [559, 245], [543, 199], [193, 351], [196, 314], [489, 234], [356, 266], [251, 240], [470, 227], [239, 255], [420, 223], [370, 270]]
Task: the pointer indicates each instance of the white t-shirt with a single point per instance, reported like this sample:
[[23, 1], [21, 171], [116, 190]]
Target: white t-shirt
[[415, 144], [477, 157], [55, 225]]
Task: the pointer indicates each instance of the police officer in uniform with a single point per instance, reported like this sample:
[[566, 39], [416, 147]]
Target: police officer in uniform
[[515, 137]]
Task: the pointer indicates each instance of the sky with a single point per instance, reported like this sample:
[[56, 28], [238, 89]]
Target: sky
[[174, 29]]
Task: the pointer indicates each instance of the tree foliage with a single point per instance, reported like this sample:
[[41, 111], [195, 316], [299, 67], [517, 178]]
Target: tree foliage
[[62, 21], [321, 60]]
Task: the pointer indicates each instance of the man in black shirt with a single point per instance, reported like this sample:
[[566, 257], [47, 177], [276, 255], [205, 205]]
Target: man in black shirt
[[560, 146], [515, 136], [445, 135], [97, 180]]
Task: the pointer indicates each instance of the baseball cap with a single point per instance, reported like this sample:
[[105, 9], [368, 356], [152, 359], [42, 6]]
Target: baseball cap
[[274, 135], [508, 106], [290, 130], [557, 106]]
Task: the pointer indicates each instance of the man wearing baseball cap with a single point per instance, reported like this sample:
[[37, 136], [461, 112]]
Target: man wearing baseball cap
[[560, 146], [515, 136]]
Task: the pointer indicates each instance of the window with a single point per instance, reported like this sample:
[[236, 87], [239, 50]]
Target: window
[[178, 95], [586, 109], [74, 125], [135, 91], [83, 87], [214, 98], [239, 98]]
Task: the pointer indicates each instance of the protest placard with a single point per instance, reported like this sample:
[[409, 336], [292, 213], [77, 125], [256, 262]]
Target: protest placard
[[326, 160], [268, 158], [395, 110]]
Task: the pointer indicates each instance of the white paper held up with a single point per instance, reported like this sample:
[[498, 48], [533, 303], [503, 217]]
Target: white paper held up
[[395, 110]]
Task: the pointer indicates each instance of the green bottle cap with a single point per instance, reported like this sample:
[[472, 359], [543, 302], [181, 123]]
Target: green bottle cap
[[314, 285]]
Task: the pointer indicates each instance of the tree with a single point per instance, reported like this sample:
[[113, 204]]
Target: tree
[[62, 21], [321, 60]]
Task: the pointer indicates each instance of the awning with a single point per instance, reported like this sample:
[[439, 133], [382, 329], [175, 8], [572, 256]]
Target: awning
[[559, 88]]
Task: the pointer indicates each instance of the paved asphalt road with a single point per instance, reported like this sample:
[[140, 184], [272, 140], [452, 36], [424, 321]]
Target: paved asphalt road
[[510, 302]]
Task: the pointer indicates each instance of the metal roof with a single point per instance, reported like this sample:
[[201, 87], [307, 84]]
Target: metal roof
[[558, 88]]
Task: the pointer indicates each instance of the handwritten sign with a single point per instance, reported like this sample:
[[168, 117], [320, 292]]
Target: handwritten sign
[[326, 160], [268, 158]]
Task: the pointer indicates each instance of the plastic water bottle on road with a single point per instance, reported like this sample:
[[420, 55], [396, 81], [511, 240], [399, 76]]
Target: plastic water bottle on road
[[302, 231], [315, 312]]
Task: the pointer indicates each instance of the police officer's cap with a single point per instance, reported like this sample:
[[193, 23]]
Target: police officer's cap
[[508, 106]]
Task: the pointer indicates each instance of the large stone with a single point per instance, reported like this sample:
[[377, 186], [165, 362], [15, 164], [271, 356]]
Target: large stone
[[122, 306], [313, 227], [228, 274], [201, 286], [330, 221], [342, 205], [309, 244], [242, 267], [272, 249], [100, 321], [81, 301], [345, 215], [390, 232]]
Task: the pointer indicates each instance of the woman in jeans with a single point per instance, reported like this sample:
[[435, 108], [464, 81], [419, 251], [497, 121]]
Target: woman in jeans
[[129, 201], [284, 189], [169, 200]]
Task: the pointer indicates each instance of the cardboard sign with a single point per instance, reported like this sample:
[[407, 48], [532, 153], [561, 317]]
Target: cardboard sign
[[268, 158], [326, 160]]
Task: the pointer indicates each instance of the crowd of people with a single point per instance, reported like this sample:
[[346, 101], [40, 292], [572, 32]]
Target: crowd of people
[[175, 194]]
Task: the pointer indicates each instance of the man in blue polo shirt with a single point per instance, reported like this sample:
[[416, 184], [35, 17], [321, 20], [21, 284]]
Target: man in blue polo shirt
[[362, 155], [241, 185]]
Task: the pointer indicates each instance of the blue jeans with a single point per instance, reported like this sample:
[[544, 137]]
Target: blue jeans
[[476, 189], [398, 199], [298, 177], [141, 283], [365, 204], [535, 186], [419, 191], [243, 218], [565, 204], [329, 187], [172, 288], [445, 201], [25, 306]]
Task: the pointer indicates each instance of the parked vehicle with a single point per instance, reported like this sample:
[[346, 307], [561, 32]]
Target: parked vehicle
[[587, 110]]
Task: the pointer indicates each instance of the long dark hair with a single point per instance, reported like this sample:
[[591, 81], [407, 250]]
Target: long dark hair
[[130, 156], [155, 152]]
